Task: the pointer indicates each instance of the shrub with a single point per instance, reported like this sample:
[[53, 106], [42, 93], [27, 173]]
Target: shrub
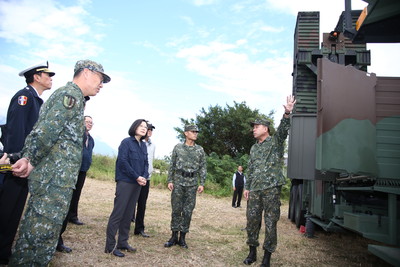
[[102, 168], [159, 180], [219, 173]]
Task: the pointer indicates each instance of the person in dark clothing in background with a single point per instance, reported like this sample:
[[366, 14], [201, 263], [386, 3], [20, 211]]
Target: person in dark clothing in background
[[72, 216], [238, 182], [88, 146]]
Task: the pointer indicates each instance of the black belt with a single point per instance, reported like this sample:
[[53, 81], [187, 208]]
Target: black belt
[[188, 174]]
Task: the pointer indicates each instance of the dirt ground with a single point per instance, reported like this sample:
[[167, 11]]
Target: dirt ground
[[216, 238]]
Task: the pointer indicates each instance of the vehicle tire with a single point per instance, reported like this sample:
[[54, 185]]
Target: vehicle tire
[[292, 202], [299, 212]]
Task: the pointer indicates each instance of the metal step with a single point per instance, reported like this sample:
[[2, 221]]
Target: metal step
[[329, 227], [388, 254]]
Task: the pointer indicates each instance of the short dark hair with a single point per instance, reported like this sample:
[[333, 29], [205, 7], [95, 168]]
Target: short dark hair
[[76, 74], [29, 78], [134, 126]]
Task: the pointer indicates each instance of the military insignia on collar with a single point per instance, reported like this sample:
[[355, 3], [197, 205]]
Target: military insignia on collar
[[69, 101], [22, 100]]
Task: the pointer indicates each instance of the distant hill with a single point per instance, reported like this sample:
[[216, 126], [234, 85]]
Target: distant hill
[[99, 148], [104, 149]]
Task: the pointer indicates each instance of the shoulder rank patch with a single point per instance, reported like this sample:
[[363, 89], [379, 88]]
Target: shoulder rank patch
[[69, 101], [22, 100]]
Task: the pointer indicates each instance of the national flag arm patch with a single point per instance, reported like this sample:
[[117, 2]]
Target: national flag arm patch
[[22, 100]]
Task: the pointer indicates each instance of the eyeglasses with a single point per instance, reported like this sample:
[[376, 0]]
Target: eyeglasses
[[89, 122], [99, 74]]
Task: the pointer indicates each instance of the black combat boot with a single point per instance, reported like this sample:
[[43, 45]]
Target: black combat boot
[[173, 240], [252, 256], [182, 241], [266, 259]]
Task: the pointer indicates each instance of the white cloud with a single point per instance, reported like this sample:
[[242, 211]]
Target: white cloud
[[204, 2], [237, 7], [50, 26], [188, 20], [175, 42], [59, 34], [228, 69], [241, 42], [8, 76], [205, 50], [385, 59], [119, 104], [267, 28]]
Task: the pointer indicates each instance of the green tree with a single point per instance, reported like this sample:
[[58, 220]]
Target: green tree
[[225, 131], [220, 169]]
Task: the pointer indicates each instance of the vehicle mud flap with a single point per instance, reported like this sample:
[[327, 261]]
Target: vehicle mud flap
[[299, 212]]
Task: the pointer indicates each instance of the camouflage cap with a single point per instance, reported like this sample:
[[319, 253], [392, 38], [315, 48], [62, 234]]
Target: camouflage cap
[[38, 68], [191, 127], [260, 121], [93, 66]]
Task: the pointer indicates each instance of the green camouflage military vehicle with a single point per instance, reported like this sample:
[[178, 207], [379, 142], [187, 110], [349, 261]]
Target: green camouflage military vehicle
[[344, 142]]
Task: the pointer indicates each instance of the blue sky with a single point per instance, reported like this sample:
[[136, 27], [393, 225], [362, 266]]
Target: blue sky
[[166, 59]]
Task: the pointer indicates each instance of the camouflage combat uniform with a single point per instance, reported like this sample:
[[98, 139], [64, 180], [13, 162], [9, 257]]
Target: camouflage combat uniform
[[265, 180], [188, 164], [54, 148]]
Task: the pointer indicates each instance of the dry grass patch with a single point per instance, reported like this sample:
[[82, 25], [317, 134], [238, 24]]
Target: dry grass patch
[[215, 239]]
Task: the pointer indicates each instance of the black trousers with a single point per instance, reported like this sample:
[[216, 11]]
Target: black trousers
[[237, 194], [12, 202], [126, 196], [73, 206], [141, 208]]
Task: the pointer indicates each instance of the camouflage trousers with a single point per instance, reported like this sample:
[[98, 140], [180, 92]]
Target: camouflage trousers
[[40, 227], [267, 200], [183, 200]]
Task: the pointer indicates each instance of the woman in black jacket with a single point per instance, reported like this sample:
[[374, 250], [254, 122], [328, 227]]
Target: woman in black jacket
[[131, 171]]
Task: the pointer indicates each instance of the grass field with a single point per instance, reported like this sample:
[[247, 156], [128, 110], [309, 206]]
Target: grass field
[[216, 237]]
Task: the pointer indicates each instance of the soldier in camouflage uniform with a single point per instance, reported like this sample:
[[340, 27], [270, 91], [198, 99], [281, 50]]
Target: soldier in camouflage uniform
[[264, 182], [188, 164], [53, 152]]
